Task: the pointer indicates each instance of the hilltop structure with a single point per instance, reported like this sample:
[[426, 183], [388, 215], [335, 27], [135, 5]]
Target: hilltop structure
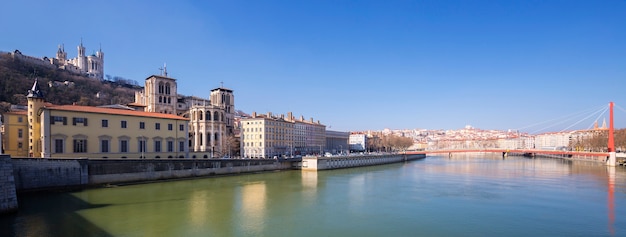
[[89, 65]]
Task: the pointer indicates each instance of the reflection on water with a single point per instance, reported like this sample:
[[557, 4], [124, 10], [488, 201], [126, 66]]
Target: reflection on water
[[611, 199], [437, 196], [253, 197], [198, 206]]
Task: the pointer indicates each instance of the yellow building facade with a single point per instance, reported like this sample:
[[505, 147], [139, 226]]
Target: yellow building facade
[[94, 132], [15, 136], [71, 131]]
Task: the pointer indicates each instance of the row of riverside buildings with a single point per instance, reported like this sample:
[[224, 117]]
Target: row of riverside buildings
[[160, 123]]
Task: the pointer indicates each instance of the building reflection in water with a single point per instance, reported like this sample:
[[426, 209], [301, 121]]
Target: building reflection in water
[[253, 207], [309, 186], [198, 208], [611, 199], [356, 192]]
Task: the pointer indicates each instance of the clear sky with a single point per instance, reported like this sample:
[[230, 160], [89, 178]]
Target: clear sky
[[355, 65]]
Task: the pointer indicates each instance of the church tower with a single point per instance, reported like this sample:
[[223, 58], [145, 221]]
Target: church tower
[[35, 103], [82, 60], [225, 99], [160, 94], [61, 55]]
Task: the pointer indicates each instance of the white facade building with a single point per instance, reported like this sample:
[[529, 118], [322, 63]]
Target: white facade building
[[552, 140], [358, 142], [266, 136]]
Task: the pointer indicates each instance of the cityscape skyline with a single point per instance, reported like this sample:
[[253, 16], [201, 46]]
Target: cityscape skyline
[[435, 65]]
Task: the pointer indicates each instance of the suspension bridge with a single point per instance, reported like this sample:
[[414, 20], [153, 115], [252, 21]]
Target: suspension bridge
[[609, 157]]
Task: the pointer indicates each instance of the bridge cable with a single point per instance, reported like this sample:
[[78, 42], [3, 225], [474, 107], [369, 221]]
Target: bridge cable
[[560, 118], [598, 118], [617, 106], [579, 121], [594, 110]]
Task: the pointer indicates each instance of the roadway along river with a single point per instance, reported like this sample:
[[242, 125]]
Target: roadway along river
[[466, 195]]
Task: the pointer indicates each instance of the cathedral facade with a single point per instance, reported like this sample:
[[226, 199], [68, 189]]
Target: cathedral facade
[[211, 121]]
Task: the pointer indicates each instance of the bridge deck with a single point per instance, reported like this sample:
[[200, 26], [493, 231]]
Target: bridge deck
[[530, 151]]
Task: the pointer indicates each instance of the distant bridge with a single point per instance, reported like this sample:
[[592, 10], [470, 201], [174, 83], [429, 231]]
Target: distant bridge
[[513, 151], [610, 157]]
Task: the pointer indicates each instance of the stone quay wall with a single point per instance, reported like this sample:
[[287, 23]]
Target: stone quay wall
[[40, 174], [8, 196], [123, 171], [340, 162]]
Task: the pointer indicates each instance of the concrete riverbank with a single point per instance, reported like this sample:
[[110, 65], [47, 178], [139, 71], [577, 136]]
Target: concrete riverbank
[[314, 163]]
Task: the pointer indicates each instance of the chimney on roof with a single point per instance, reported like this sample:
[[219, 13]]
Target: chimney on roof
[[301, 118], [311, 119], [269, 114], [289, 116], [254, 114]]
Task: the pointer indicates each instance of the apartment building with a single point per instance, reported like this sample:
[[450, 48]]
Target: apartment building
[[267, 136]]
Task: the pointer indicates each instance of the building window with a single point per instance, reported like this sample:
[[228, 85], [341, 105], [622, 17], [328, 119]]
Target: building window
[[142, 145], [20, 133], [124, 146], [157, 146], [20, 145], [20, 119], [123, 124], [58, 119], [181, 146], [80, 146], [181, 127], [105, 123], [157, 126], [104, 146], [170, 146], [58, 145], [79, 120], [170, 127], [142, 125]]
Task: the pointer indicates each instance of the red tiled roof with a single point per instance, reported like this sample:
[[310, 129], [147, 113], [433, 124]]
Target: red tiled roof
[[99, 110], [21, 112]]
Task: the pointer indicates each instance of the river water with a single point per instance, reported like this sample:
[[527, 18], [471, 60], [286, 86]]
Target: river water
[[466, 195]]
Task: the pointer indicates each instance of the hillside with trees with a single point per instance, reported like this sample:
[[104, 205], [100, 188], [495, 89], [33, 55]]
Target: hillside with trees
[[59, 86]]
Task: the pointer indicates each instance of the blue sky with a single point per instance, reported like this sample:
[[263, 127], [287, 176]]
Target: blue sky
[[355, 65]]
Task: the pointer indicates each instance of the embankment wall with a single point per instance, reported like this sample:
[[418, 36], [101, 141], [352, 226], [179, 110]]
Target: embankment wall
[[8, 196], [340, 162]]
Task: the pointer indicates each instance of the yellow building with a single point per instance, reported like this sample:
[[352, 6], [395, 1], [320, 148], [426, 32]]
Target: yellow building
[[84, 131], [93, 132], [15, 127]]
